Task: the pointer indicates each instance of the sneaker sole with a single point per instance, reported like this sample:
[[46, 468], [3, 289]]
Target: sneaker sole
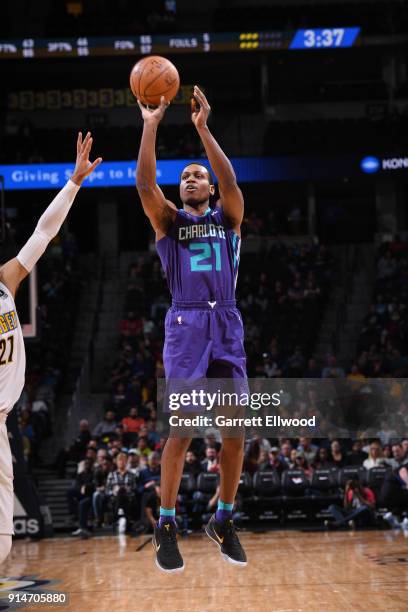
[[223, 555], [176, 570]]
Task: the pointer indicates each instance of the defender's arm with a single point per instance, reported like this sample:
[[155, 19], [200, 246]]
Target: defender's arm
[[49, 224]]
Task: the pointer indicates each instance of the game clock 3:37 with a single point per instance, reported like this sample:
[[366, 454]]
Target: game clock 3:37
[[324, 38]]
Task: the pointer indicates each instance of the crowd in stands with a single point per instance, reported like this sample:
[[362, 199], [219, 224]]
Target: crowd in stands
[[125, 442], [383, 343], [118, 478]]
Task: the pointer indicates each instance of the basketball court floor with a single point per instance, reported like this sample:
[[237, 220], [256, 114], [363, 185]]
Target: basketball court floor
[[288, 571]]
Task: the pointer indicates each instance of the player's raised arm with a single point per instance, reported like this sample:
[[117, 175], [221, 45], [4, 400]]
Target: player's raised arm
[[161, 212], [48, 226], [231, 196]]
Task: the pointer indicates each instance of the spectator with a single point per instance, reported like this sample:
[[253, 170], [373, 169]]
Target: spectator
[[399, 458], [302, 464], [150, 476], [133, 464], [191, 464], [99, 495], [80, 497], [322, 460], [332, 370], [355, 373], [356, 456], [394, 495], [143, 448], [119, 398], [275, 462], [263, 459], [120, 489], [374, 458], [153, 438], [358, 507], [210, 463], [285, 451], [307, 448], [337, 455], [89, 456], [105, 428], [131, 425]]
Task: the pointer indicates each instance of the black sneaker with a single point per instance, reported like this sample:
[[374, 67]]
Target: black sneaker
[[224, 534], [168, 557]]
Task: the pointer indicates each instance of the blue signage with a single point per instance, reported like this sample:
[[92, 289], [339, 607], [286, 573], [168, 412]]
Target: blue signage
[[370, 165], [248, 170]]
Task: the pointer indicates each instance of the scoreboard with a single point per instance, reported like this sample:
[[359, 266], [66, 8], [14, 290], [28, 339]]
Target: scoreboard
[[204, 42]]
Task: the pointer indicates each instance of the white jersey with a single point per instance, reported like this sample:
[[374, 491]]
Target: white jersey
[[12, 352]]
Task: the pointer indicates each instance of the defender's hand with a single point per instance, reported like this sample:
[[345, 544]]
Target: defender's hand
[[199, 116], [154, 115], [83, 167]]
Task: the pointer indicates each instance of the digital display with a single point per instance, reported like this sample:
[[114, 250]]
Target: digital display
[[248, 170], [204, 42], [325, 38]]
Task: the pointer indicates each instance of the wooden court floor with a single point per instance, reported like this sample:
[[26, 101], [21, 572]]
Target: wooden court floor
[[288, 571]]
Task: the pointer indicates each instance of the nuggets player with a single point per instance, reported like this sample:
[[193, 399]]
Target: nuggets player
[[12, 352], [199, 250]]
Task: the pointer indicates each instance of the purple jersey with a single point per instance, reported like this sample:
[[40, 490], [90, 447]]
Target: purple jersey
[[200, 257]]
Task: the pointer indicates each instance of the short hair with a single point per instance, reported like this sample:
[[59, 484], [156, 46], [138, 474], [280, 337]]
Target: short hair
[[199, 163]]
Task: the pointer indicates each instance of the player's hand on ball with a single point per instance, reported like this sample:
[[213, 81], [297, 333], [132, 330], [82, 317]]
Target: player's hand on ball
[[199, 115], [83, 167], [154, 115]]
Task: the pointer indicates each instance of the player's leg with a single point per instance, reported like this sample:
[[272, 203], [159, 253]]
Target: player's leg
[[168, 557], [172, 464], [229, 362], [6, 494], [184, 359], [5, 547], [220, 527], [231, 460]]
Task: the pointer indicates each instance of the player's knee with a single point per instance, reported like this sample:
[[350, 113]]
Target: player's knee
[[5, 547]]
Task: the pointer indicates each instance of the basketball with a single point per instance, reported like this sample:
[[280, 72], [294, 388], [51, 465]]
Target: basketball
[[153, 77]]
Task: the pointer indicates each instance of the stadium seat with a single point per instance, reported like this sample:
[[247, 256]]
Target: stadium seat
[[351, 472], [207, 482], [245, 484], [375, 478], [325, 481], [187, 484], [294, 483], [267, 484]]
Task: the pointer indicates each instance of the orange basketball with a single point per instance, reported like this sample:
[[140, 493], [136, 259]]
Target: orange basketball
[[153, 77]]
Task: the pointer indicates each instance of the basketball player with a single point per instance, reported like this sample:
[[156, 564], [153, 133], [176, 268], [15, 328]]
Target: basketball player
[[12, 352], [199, 250]]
